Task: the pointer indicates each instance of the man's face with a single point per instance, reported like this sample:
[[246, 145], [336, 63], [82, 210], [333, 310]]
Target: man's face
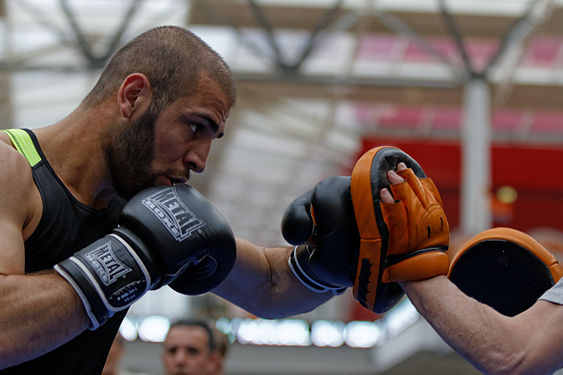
[[161, 148], [186, 352]]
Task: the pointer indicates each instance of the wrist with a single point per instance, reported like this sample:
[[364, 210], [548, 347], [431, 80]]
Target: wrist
[[107, 276], [299, 265]]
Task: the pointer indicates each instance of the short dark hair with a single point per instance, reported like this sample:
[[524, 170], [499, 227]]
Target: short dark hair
[[222, 342], [211, 342], [173, 59]]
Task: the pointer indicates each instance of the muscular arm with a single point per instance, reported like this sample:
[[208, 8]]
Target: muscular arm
[[529, 343], [262, 283], [38, 312]]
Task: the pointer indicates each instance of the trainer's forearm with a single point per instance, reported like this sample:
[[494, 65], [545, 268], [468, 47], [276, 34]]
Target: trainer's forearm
[[262, 284], [38, 313], [477, 332]]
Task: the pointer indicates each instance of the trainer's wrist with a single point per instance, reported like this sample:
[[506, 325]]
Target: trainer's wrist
[[299, 265]]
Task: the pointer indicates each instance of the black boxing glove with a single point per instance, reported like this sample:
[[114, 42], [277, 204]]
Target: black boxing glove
[[162, 231], [321, 223], [210, 271]]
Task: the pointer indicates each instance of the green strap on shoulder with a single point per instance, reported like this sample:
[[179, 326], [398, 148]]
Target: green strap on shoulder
[[23, 143]]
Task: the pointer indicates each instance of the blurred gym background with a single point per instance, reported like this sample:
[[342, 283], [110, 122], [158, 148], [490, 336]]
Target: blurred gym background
[[472, 89]]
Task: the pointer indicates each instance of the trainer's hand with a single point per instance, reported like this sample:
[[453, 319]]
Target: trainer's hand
[[402, 226], [321, 221], [163, 231], [394, 179], [417, 227]]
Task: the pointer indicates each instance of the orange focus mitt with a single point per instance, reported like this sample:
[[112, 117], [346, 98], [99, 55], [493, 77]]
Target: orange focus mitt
[[402, 241], [505, 269]]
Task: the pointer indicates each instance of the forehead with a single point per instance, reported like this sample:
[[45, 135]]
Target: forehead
[[208, 98], [186, 336]]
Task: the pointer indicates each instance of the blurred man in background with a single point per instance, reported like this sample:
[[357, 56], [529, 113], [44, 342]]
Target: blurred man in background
[[223, 343], [190, 348]]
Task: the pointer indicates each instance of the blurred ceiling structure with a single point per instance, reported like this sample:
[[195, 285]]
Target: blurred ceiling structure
[[315, 78]]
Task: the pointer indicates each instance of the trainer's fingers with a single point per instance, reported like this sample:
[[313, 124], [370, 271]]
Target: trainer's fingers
[[394, 178], [386, 196], [401, 166]]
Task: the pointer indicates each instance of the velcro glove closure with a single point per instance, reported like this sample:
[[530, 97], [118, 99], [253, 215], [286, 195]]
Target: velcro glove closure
[[298, 261], [107, 275]]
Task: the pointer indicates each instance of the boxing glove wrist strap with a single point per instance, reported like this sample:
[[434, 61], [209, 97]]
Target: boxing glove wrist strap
[[107, 275], [306, 280]]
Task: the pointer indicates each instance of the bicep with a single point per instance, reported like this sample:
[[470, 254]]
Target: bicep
[[542, 331], [16, 199], [12, 250]]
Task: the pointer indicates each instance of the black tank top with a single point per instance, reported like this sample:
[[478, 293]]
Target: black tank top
[[66, 226]]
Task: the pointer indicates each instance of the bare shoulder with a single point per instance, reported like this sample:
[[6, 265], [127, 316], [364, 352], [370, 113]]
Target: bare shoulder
[[20, 204], [15, 173]]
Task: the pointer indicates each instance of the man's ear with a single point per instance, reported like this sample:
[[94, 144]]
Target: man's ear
[[215, 363], [134, 94]]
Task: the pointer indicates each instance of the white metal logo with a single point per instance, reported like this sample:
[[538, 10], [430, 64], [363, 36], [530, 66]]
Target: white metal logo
[[108, 267], [173, 213]]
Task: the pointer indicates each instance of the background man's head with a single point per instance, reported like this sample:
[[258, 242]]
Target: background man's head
[[223, 343], [190, 349]]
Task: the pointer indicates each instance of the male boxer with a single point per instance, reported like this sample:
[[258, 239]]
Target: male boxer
[[528, 343], [72, 261]]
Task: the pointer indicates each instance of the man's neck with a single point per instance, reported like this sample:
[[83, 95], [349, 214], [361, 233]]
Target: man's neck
[[73, 147]]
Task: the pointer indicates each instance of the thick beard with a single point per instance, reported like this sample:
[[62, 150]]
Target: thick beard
[[129, 153]]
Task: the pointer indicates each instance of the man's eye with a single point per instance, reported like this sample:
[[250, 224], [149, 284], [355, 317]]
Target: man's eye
[[194, 128]]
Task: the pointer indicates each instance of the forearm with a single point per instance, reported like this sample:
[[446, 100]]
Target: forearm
[[39, 313], [262, 284], [489, 340]]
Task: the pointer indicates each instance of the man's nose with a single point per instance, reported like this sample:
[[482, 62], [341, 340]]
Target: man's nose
[[180, 357], [196, 157]]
